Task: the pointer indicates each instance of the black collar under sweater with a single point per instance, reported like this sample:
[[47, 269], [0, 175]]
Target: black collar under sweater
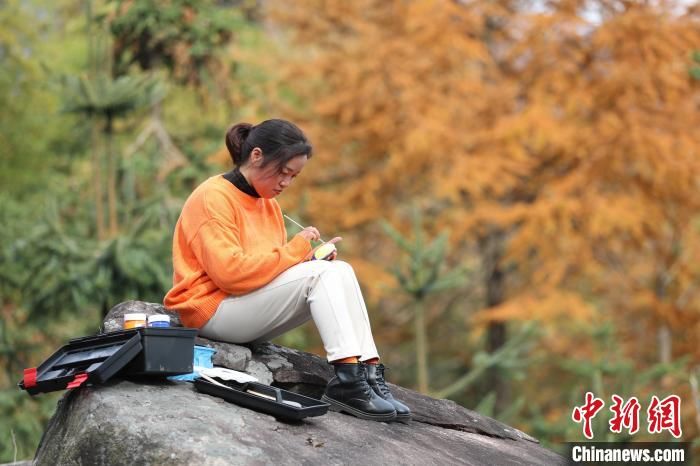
[[238, 180]]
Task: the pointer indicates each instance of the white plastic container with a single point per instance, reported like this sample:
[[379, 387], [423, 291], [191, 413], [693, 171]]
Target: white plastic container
[[159, 320]]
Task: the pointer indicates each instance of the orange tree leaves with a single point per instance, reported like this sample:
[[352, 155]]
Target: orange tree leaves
[[393, 87], [568, 131], [574, 135]]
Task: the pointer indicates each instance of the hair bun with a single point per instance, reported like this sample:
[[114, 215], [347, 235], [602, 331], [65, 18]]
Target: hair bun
[[235, 139]]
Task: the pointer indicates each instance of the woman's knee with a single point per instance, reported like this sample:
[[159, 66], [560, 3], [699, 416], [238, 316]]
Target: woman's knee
[[316, 268], [343, 266], [313, 268]]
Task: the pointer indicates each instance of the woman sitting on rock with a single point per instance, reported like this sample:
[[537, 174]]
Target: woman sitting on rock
[[238, 279]]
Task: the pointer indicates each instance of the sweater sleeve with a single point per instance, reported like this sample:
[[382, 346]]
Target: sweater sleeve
[[218, 249]]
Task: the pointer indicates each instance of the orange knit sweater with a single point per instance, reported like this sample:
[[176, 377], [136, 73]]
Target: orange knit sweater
[[226, 243]]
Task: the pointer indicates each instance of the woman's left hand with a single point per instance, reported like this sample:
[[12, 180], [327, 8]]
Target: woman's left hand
[[333, 255]]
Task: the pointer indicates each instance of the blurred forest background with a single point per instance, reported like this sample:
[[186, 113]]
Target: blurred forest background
[[516, 183]]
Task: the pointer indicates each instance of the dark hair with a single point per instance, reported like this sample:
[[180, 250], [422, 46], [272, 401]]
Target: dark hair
[[279, 140]]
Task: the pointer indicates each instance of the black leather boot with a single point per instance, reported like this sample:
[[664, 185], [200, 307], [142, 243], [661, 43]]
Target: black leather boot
[[375, 379], [349, 392]]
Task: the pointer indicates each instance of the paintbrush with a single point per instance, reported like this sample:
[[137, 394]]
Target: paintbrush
[[299, 225], [322, 252]]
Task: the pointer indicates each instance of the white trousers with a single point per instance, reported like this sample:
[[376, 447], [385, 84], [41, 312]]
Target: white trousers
[[325, 291]]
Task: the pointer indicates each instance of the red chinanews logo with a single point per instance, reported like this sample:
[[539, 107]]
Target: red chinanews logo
[[662, 415]]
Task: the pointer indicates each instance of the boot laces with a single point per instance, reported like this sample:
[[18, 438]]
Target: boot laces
[[366, 389], [381, 383]]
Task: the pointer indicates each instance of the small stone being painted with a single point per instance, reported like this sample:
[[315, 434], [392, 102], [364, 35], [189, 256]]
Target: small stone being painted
[[324, 251]]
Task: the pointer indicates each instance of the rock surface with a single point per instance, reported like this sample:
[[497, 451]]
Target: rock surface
[[151, 421]]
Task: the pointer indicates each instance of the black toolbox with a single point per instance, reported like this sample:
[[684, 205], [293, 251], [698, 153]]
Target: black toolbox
[[94, 359], [280, 403], [166, 351]]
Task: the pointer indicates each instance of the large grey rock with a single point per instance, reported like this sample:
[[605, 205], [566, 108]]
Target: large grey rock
[[162, 422], [114, 320], [227, 355], [125, 423]]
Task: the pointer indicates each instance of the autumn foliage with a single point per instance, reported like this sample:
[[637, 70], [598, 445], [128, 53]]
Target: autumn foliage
[[557, 143]]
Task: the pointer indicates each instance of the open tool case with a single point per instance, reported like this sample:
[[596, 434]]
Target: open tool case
[[94, 359], [280, 403]]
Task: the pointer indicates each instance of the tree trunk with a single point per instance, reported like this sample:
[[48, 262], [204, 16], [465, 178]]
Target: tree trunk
[[664, 332], [111, 180], [97, 182], [496, 337], [94, 132], [421, 347], [665, 344]]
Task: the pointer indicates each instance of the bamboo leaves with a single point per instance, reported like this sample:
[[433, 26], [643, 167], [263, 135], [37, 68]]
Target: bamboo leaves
[[109, 98], [61, 274], [100, 99]]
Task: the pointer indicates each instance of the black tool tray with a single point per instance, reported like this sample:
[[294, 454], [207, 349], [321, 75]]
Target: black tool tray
[[92, 359], [144, 351], [280, 403]]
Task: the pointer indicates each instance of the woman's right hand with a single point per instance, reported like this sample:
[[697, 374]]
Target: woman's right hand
[[310, 234]]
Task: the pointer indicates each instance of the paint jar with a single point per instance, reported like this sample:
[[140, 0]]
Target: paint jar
[[134, 320], [159, 320]]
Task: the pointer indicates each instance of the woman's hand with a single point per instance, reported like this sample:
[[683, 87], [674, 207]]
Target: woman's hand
[[329, 258], [310, 234]]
